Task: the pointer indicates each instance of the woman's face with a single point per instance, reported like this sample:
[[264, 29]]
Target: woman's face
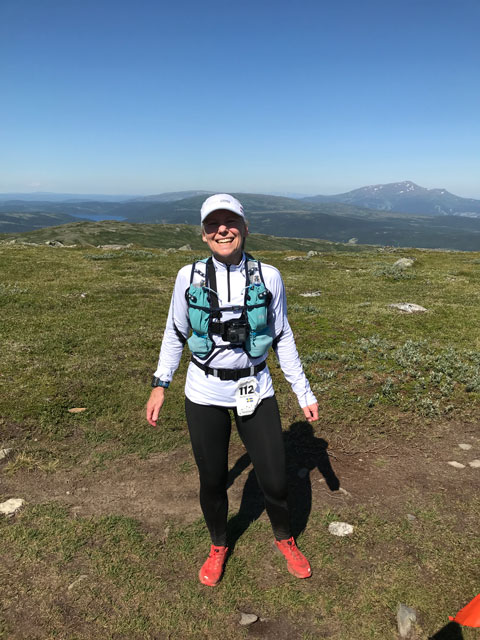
[[224, 232]]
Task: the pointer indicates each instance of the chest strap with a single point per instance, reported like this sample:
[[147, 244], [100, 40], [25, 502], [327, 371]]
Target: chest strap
[[230, 374]]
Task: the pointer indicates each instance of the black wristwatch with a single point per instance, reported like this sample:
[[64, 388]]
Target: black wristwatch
[[156, 382]]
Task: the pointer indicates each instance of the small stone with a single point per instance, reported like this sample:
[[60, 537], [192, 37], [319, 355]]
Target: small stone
[[77, 410], [406, 618], [411, 517], [457, 465], [312, 254], [186, 247], [302, 473], [4, 453], [475, 464], [344, 491], [408, 307], [247, 619], [311, 294], [465, 447], [166, 533], [403, 263], [11, 506], [77, 581], [340, 529]]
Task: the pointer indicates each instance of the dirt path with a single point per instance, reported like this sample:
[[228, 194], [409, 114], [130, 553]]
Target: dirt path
[[164, 487]]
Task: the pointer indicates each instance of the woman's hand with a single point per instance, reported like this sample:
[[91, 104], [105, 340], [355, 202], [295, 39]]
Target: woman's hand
[[311, 412], [154, 405]]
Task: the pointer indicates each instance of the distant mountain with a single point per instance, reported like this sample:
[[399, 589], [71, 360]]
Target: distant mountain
[[170, 196], [406, 197], [45, 196], [22, 222]]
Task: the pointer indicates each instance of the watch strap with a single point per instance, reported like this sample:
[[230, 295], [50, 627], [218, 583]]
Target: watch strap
[[156, 382]]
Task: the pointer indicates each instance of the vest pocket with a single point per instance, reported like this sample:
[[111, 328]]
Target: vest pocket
[[199, 342], [258, 342], [200, 345]]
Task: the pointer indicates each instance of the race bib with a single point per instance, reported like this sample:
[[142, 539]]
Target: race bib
[[247, 396]]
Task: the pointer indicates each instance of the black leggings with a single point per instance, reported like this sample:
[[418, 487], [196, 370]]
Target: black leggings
[[261, 433]]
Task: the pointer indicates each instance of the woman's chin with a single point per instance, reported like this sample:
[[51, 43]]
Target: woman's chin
[[227, 255]]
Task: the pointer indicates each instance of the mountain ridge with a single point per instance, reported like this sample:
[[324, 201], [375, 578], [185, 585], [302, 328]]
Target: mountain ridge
[[406, 197]]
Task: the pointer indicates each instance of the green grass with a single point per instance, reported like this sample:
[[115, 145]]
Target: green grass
[[82, 328]]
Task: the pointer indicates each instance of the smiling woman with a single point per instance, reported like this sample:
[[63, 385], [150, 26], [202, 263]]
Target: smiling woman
[[235, 308], [224, 231], [225, 234]]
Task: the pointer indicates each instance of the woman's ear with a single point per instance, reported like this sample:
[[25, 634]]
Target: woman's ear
[[204, 238]]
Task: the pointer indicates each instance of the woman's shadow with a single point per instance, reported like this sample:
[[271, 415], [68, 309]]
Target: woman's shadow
[[304, 453]]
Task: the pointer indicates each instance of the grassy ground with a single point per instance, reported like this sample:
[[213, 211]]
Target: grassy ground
[[110, 540]]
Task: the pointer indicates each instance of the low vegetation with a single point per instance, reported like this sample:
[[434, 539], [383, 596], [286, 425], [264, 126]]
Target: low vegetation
[[81, 328]]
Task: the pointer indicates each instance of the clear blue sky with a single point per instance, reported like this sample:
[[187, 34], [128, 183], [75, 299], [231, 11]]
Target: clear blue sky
[[146, 96]]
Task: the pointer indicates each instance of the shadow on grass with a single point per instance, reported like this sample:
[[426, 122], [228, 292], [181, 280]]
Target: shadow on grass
[[451, 631], [304, 453]]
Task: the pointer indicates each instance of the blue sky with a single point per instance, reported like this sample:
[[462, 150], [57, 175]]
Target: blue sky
[[141, 97]]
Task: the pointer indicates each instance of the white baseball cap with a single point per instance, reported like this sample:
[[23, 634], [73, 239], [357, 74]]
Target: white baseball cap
[[221, 201]]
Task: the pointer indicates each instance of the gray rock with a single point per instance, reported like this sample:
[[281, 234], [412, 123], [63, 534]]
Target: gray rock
[[408, 307], [403, 263], [475, 464], [290, 258], [411, 517], [312, 254], [465, 447], [406, 618], [54, 243], [311, 294], [11, 506], [353, 241], [247, 618], [186, 247], [4, 453], [340, 529], [114, 247], [457, 465]]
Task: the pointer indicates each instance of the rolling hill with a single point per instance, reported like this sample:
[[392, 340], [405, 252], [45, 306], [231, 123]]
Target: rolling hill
[[161, 236]]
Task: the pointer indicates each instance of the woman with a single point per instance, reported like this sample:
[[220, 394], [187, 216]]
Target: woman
[[236, 308]]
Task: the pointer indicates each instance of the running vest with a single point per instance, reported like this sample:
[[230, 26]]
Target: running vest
[[250, 331]]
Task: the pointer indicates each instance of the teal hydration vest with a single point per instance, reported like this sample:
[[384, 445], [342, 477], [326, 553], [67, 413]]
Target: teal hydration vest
[[250, 331]]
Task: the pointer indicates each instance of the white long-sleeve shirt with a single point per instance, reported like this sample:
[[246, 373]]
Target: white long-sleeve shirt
[[210, 390]]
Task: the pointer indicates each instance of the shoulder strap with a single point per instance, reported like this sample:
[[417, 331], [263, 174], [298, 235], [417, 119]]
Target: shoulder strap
[[253, 270], [198, 271], [211, 283]]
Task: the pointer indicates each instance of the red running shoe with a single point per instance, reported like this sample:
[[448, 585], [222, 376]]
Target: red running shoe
[[297, 564], [212, 570]]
